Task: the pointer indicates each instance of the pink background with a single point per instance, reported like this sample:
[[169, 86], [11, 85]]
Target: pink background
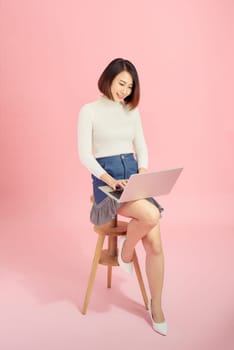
[[52, 53]]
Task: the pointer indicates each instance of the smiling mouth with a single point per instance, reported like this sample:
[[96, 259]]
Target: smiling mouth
[[120, 96]]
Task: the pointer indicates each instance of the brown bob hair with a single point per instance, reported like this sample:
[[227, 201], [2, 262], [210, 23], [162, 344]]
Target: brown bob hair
[[114, 68]]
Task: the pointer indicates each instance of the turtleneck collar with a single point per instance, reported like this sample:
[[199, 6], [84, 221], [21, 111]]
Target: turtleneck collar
[[110, 102]]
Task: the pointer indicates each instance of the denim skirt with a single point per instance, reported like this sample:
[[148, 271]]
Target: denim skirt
[[120, 166]]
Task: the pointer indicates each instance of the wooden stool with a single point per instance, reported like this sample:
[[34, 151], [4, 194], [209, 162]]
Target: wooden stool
[[108, 257]]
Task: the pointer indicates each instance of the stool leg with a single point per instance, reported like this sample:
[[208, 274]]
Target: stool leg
[[140, 280], [109, 275], [93, 272], [112, 251]]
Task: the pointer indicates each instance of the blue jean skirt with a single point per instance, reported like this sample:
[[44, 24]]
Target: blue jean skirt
[[121, 166]]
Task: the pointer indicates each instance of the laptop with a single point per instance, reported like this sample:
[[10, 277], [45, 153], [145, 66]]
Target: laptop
[[144, 185]]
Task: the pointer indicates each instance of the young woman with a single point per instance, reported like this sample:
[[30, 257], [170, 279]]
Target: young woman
[[112, 146]]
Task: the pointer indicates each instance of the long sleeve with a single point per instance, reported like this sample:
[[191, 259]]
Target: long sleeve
[[85, 142], [140, 144]]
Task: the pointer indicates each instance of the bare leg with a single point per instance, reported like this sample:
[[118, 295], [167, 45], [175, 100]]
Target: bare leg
[[155, 270], [145, 225], [144, 217]]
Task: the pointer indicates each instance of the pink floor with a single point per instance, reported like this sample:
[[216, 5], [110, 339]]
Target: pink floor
[[45, 262]]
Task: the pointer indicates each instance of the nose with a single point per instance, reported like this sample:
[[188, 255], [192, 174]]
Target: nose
[[124, 90]]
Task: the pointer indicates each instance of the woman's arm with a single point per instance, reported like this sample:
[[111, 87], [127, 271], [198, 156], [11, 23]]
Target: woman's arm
[[85, 142], [140, 144], [85, 131]]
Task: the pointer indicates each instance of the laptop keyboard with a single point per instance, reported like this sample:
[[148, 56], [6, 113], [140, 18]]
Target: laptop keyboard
[[117, 193]]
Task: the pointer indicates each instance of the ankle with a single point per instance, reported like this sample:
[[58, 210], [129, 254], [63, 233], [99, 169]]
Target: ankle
[[157, 312]]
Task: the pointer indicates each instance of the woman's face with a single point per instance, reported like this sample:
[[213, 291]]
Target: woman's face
[[121, 86]]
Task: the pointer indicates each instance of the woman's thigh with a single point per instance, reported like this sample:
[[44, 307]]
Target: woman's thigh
[[141, 210]]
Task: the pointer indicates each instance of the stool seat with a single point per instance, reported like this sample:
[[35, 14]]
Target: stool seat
[[108, 257]]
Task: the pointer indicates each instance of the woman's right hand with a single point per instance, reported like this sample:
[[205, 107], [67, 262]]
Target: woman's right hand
[[118, 184], [113, 183]]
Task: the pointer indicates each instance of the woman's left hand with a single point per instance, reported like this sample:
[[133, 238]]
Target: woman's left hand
[[142, 170]]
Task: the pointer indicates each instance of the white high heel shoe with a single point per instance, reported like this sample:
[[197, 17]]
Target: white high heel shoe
[[161, 328], [128, 267]]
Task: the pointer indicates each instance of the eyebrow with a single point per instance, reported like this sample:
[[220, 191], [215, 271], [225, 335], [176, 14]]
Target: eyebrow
[[123, 81]]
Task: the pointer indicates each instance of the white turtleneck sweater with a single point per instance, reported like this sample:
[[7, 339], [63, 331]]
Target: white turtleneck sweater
[[108, 128]]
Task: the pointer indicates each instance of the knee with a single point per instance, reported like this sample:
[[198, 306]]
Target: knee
[[152, 247], [151, 217]]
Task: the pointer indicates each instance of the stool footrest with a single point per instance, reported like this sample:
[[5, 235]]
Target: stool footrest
[[106, 259]]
